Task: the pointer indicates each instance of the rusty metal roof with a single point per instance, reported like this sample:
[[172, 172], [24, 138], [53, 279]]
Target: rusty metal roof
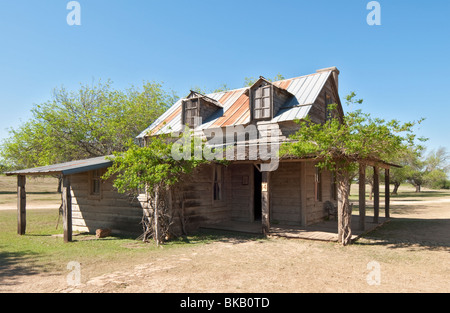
[[236, 106]]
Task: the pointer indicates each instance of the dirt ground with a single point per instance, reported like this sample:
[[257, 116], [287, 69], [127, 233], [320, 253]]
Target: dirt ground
[[411, 253]]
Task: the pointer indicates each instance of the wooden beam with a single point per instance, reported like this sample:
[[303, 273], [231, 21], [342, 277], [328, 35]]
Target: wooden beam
[[376, 194], [362, 196], [67, 209], [378, 164], [387, 194], [21, 205], [265, 202], [302, 189]]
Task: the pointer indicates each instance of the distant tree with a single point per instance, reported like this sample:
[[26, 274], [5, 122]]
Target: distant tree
[[249, 81], [93, 121], [416, 175], [438, 159], [437, 166], [339, 146], [436, 179], [409, 160], [221, 88]]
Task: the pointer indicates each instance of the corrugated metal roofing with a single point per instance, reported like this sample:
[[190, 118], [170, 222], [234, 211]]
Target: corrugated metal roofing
[[67, 168], [236, 105]]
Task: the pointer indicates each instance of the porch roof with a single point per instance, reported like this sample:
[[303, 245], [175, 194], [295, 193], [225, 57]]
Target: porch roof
[[67, 168]]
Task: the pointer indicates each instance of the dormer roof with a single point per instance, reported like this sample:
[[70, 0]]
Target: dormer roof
[[236, 109]]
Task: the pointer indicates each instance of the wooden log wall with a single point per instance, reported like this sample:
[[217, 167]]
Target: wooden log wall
[[108, 210], [315, 211], [240, 196], [286, 194], [197, 201], [318, 110]]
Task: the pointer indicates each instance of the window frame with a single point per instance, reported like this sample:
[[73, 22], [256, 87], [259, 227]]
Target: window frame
[[318, 184], [95, 184], [218, 195], [262, 108], [194, 111]]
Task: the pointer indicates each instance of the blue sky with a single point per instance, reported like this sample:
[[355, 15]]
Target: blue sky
[[400, 68]]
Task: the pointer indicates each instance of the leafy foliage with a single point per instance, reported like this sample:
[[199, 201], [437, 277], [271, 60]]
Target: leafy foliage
[[93, 121], [249, 81], [358, 137], [340, 144], [156, 170], [141, 168]]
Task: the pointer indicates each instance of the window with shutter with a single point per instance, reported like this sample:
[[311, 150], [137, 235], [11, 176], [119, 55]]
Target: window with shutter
[[262, 102], [318, 185], [95, 183], [218, 183], [191, 112]]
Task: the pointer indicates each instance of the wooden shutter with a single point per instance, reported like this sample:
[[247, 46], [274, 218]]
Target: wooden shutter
[[218, 183], [262, 102], [191, 111]]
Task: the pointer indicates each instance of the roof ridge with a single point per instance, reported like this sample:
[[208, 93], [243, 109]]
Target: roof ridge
[[247, 87]]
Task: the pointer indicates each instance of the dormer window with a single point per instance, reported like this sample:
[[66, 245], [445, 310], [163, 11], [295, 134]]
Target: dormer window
[[191, 112], [262, 102], [266, 99], [196, 109]]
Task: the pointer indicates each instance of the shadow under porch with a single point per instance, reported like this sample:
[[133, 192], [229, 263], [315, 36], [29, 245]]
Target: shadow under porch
[[322, 231]]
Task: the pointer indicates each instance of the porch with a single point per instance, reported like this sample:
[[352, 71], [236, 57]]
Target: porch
[[323, 231]]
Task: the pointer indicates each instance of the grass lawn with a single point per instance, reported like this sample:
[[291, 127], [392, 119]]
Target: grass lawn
[[40, 190], [42, 249]]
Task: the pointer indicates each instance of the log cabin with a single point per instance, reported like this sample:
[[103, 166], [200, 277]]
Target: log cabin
[[252, 190]]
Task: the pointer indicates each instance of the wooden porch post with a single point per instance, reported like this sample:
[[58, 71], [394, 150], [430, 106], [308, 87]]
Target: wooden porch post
[[67, 209], [21, 205], [387, 195], [362, 196], [376, 194], [265, 202]]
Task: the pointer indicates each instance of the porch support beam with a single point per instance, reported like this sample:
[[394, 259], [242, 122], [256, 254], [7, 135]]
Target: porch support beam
[[67, 209], [21, 205], [376, 194], [387, 195], [265, 202], [362, 196]]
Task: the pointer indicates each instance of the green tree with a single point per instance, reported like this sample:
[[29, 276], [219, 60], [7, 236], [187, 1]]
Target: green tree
[[340, 146], [416, 172], [93, 121], [409, 159], [436, 179], [156, 170]]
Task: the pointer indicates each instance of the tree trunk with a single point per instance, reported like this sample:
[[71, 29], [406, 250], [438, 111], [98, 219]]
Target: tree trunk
[[395, 191], [344, 210], [417, 188]]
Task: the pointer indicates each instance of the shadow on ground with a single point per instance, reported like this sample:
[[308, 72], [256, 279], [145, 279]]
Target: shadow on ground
[[430, 234], [14, 265]]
